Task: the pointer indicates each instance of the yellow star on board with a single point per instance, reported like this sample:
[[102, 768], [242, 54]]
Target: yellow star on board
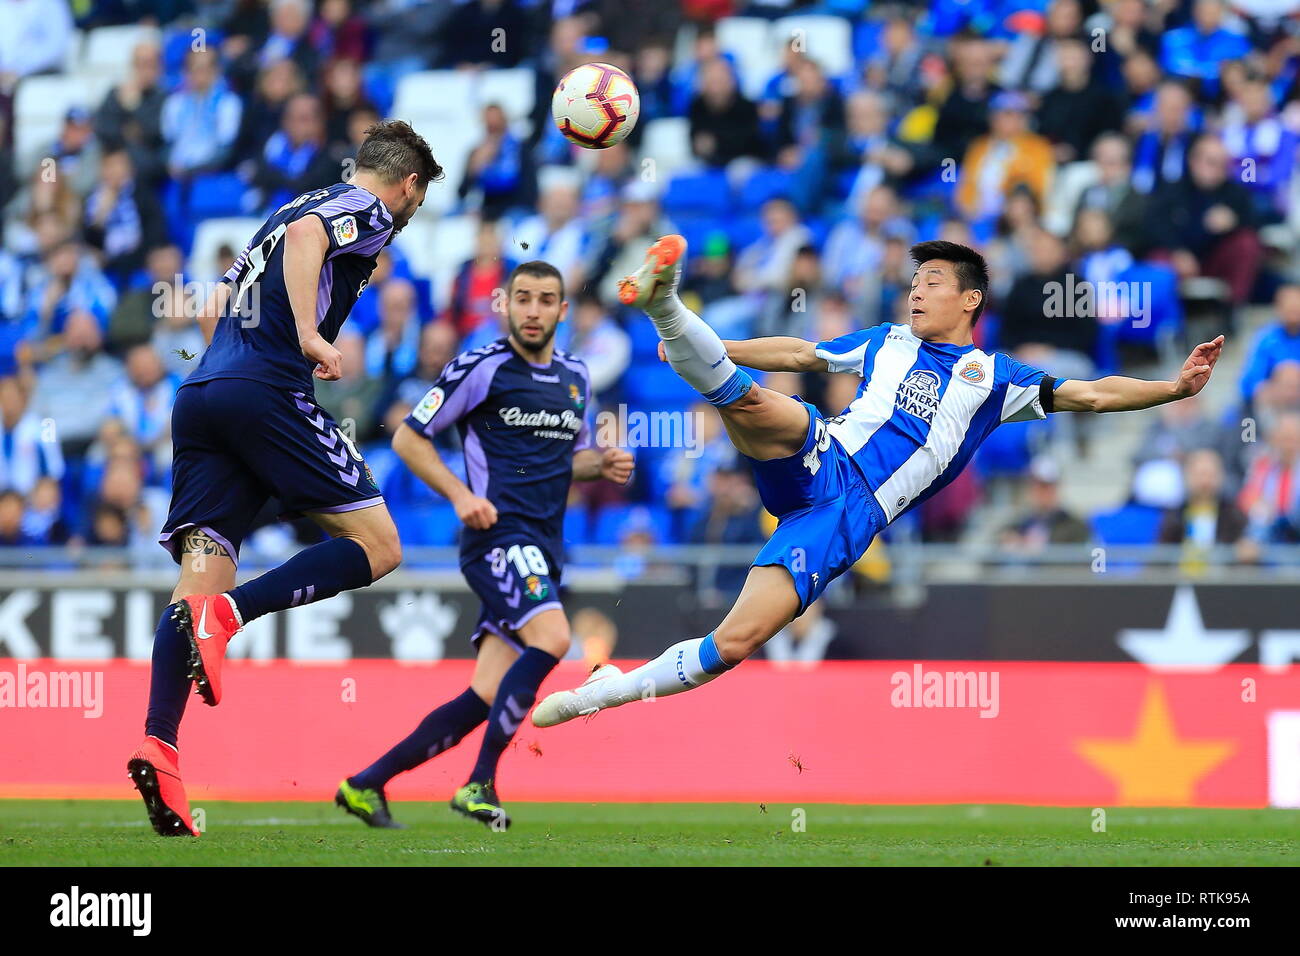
[[1154, 767]]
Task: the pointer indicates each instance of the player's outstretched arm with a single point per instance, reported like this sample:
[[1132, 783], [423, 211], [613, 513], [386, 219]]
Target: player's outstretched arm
[[419, 455], [1118, 393], [772, 353]]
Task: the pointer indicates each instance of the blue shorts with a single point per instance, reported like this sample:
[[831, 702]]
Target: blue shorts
[[516, 580], [238, 443], [826, 514]]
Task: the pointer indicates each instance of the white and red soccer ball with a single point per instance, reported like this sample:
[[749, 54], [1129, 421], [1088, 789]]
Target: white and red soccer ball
[[595, 105]]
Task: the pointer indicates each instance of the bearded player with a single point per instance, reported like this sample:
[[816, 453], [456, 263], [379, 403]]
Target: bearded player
[[928, 398], [246, 428], [520, 406]]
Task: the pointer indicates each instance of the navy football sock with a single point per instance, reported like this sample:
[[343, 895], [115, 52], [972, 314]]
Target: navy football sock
[[313, 574], [441, 730], [516, 694], [169, 681]]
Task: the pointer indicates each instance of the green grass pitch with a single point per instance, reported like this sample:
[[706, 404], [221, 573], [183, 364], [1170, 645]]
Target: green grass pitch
[[109, 833]]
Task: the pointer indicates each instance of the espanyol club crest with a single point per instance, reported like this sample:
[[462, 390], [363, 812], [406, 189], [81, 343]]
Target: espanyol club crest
[[972, 371], [919, 394], [535, 588], [575, 395]]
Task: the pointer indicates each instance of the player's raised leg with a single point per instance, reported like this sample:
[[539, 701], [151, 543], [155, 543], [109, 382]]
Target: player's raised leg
[[767, 603], [546, 639], [363, 795]]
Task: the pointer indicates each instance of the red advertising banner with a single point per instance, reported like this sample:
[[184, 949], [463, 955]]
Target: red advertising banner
[[1065, 734]]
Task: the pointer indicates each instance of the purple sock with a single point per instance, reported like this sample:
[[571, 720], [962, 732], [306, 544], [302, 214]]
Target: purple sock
[[313, 574], [441, 730], [169, 681], [516, 694]]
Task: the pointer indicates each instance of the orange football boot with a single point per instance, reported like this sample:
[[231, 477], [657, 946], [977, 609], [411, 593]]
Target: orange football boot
[[155, 770], [209, 621]]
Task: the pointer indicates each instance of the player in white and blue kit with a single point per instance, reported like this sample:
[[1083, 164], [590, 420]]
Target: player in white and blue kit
[[928, 398]]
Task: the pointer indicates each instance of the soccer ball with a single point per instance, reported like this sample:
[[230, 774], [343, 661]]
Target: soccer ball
[[596, 105]]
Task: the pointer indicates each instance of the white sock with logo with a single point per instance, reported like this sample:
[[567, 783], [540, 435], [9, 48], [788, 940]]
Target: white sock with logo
[[696, 352], [680, 668]]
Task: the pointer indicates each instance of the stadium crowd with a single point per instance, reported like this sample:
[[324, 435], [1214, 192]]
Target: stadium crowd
[[1145, 147]]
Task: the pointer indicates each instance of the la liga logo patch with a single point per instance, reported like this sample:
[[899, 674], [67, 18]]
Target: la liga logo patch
[[345, 230], [972, 372]]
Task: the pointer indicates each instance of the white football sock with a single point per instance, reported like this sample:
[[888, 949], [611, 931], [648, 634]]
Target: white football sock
[[675, 671], [696, 353]]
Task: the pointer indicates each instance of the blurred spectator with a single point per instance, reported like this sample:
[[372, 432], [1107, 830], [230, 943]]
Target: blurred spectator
[[685, 472], [1034, 62], [1078, 109], [600, 343], [142, 402], [353, 400], [855, 247], [1270, 496], [1207, 221], [1195, 51], [11, 519], [1114, 193], [1039, 320], [867, 151], [34, 40], [339, 33], [76, 151], [200, 120], [1043, 521], [764, 265], [470, 36], [144, 303], [1262, 148], [66, 282], [810, 134], [1275, 343], [479, 281], [438, 346], [894, 68], [295, 159], [724, 124], [1160, 154], [556, 233], [499, 172], [391, 349], [1009, 156], [732, 518], [43, 522], [73, 389], [123, 217], [638, 224], [29, 449], [964, 113], [342, 95], [263, 113], [1208, 516], [287, 39]]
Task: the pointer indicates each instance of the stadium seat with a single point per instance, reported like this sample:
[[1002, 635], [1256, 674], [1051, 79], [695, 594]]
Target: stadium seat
[[40, 105], [216, 194], [656, 387], [441, 94], [211, 235], [744, 230], [513, 90], [668, 142], [645, 340], [76, 48], [1129, 524], [108, 49], [827, 40], [763, 185], [748, 39], [705, 193]]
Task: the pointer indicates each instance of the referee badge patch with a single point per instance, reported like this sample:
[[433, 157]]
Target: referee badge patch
[[345, 230]]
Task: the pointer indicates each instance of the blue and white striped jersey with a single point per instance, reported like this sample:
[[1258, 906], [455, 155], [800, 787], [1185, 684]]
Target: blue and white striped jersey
[[923, 408]]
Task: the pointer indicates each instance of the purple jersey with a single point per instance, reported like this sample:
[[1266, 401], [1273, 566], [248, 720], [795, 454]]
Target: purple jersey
[[256, 337], [520, 424]]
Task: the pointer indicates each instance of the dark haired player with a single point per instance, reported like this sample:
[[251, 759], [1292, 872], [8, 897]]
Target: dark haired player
[[520, 406], [928, 398], [246, 428]]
